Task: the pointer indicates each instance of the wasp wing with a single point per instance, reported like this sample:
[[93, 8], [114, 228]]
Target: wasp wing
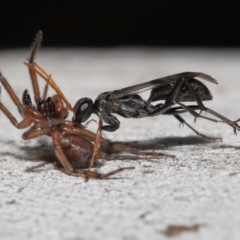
[[158, 83]]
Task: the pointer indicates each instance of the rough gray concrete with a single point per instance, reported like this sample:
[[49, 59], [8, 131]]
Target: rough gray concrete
[[200, 186]]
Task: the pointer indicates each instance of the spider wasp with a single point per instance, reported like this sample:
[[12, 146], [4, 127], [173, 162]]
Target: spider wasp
[[174, 90]]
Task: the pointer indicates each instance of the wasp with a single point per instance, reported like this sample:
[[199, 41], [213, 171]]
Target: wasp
[[174, 90]]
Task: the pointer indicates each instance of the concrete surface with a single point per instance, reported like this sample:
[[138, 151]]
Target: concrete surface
[[201, 186]]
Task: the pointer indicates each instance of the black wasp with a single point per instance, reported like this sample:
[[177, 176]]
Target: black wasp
[[173, 90]]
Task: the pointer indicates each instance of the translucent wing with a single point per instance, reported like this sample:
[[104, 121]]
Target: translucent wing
[[158, 83]]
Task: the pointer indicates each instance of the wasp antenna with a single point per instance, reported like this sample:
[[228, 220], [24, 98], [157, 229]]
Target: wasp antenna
[[36, 45]]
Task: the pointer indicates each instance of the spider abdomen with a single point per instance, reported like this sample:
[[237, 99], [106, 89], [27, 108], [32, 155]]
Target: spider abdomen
[[78, 150]]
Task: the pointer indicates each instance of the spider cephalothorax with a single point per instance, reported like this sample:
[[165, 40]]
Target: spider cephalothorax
[[53, 111]]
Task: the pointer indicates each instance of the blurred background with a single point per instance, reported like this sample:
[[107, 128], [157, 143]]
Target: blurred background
[[120, 23]]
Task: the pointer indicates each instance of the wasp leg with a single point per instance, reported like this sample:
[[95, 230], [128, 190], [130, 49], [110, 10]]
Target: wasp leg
[[170, 101], [190, 109], [179, 110], [182, 121], [231, 123], [171, 98], [198, 100], [175, 91], [113, 122], [161, 110]]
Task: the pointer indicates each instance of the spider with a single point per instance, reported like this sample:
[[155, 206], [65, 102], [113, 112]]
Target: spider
[[72, 142]]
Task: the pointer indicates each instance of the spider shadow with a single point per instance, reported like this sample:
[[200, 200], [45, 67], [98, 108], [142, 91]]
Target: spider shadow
[[43, 152], [156, 144], [168, 142]]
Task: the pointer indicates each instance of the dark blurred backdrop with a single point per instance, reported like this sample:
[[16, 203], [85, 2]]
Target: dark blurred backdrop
[[120, 23]]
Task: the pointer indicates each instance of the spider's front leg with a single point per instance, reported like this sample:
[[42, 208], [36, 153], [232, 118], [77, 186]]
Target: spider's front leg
[[25, 111]]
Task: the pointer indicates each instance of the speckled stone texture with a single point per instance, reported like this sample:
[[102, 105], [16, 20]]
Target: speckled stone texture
[[200, 186]]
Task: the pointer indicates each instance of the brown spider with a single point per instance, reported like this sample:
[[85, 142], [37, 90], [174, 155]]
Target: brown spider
[[72, 142]]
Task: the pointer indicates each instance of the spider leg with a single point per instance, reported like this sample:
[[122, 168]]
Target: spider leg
[[26, 122], [185, 109], [37, 69], [94, 175], [34, 133], [33, 75], [44, 97], [34, 69], [56, 137], [23, 124], [11, 93]]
